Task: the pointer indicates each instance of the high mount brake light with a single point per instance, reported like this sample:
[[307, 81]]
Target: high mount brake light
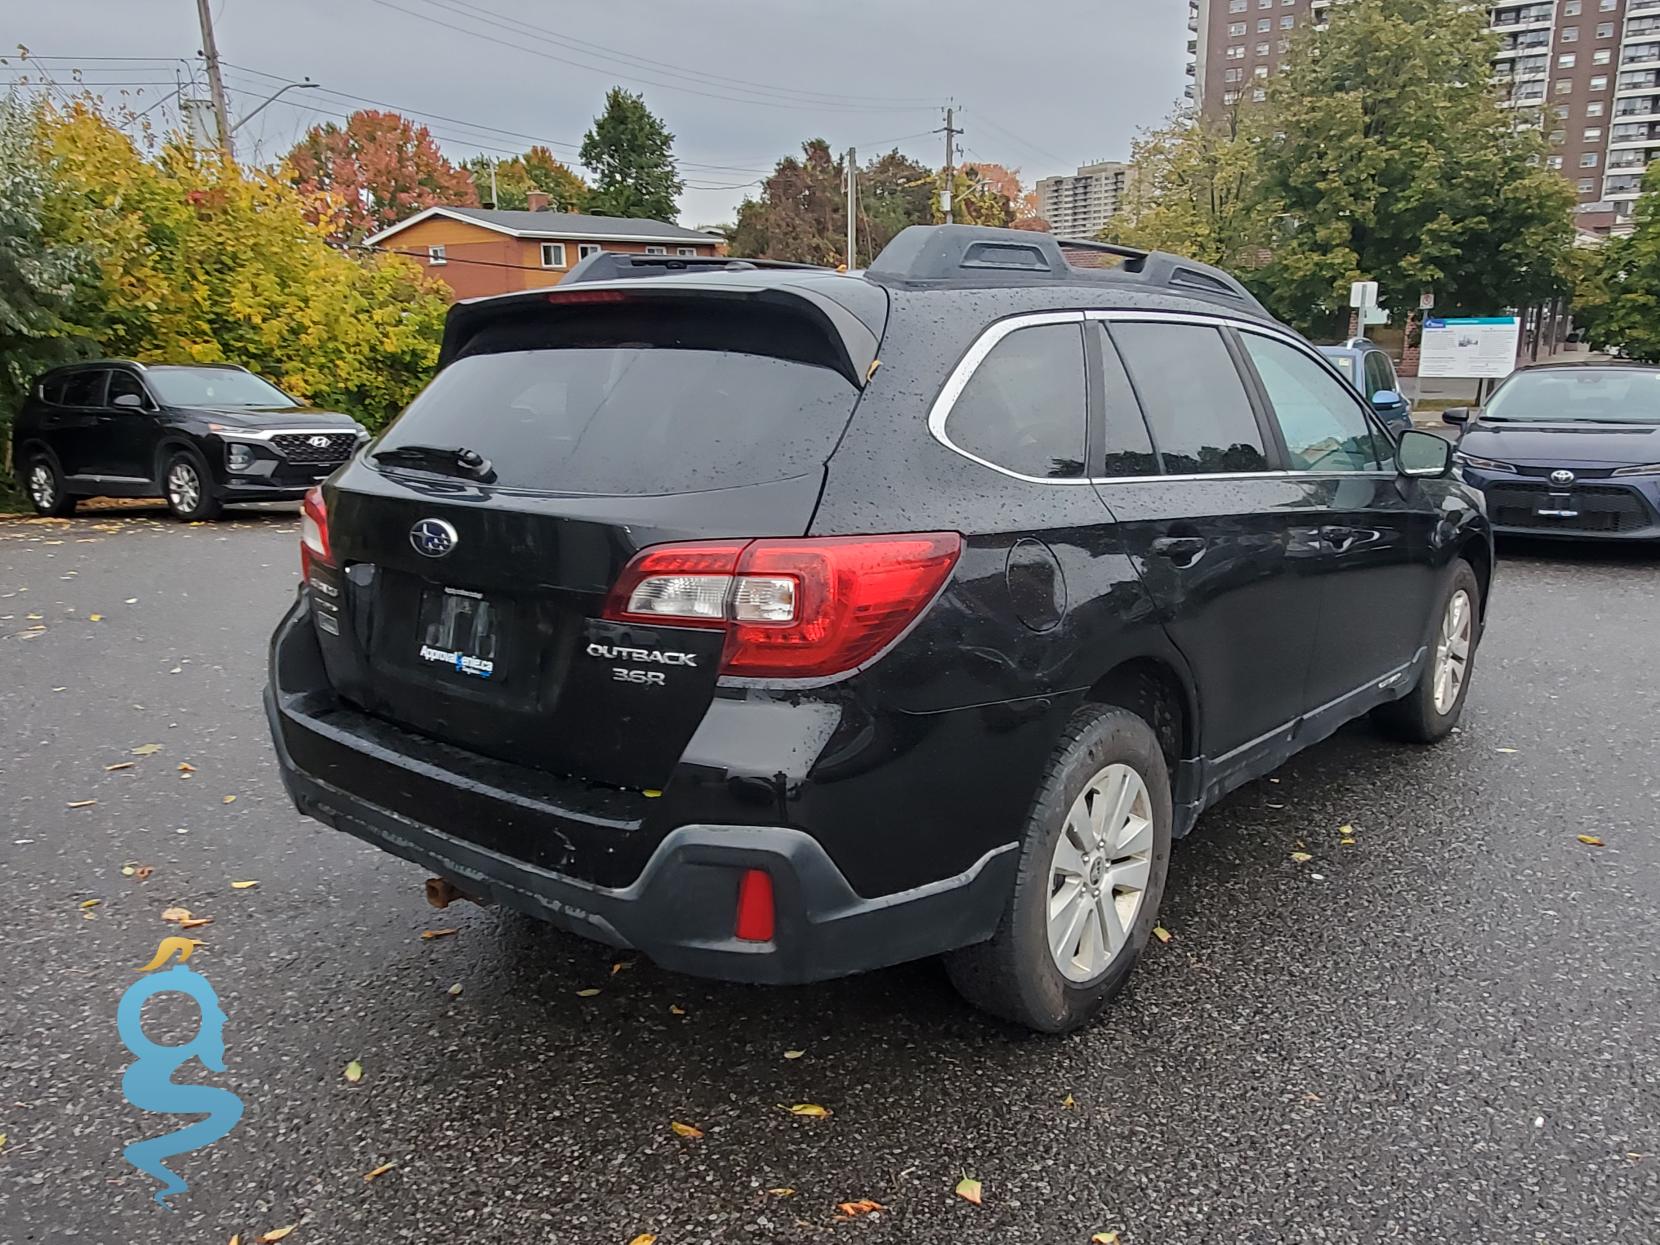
[[791, 608], [314, 532], [588, 296]]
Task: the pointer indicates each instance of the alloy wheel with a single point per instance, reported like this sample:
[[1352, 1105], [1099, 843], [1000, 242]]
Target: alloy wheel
[[1452, 651], [184, 487], [1099, 871], [43, 489]]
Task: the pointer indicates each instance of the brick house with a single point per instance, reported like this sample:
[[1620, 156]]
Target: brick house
[[478, 251]]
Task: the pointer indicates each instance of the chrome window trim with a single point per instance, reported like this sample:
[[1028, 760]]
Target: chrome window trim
[[957, 381]]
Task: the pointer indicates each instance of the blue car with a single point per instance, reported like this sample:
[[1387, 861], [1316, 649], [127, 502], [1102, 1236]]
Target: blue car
[[1367, 367], [1568, 449]]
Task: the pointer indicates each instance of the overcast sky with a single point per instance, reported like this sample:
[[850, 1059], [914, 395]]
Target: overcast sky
[[739, 82]]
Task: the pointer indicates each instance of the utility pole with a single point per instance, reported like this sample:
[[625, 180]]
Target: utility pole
[[216, 84], [852, 209], [949, 174], [495, 202]]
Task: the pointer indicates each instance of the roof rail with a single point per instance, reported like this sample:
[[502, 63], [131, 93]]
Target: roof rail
[[620, 265], [977, 255]]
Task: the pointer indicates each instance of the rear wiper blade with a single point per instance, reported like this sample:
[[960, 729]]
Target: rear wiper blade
[[449, 460]]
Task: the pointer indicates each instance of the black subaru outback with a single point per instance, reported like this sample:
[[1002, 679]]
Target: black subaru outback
[[200, 436], [783, 624]]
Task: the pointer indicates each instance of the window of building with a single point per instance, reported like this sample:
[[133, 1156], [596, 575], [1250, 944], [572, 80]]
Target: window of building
[[1553, 162], [1233, 75], [1262, 49], [1261, 71], [553, 254], [1587, 185], [1558, 137], [585, 249], [435, 255], [1236, 52], [657, 250], [1024, 407], [1230, 97], [1589, 160], [1238, 6], [1602, 56], [1265, 25], [1566, 61], [1265, 4], [1600, 82], [1607, 6], [1236, 28], [1571, 8], [1288, 21], [1323, 425], [1605, 30], [685, 250], [1570, 34], [1563, 111], [1194, 400], [1564, 85], [1594, 108], [1593, 134], [1258, 95]]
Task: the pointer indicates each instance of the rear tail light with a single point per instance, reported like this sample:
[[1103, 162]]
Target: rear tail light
[[803, 608], [755, 907], [314, 532]]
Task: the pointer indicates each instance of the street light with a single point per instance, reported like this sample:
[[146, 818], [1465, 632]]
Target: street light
[[271, 99]]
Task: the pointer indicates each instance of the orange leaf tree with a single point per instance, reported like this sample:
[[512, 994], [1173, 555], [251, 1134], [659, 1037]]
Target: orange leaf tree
[[378, 169]]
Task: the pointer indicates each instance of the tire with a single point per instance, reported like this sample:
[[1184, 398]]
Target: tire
[[1015, 975], [1425, 715], [188, 488], [43, 482]]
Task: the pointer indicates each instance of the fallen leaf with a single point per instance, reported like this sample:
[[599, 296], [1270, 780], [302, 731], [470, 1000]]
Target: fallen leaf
[[810, 1108], [95, 618], [131, 601], [1162, 934], [1068, 1101], [430, 934], [1506, 750], [143, 871], [379, 1171], [588, 993], [1347, 832], [456, 988], [242, 886], [620, 965], [1591, 840], [354, 1072], [782, 1190], [276, 1234], [1301, 858], [685, 1130], [176, 914], [676, 1010], [237, 1239], [110, 769], [127, 871], [2, 1141], [185, 767], [1104, 1238], [645, 1238], [229, 799], [968, 1189], [146, 750], [80, 803], [794, 1054], [89, 903], [195, 922], [862, 1207]]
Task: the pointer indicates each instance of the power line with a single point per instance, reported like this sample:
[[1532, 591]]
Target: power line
[[702, 77], [1010, 134], [640, 78]]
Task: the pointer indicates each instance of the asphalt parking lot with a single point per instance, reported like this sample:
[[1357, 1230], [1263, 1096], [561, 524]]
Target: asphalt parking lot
[[1446, 1031]]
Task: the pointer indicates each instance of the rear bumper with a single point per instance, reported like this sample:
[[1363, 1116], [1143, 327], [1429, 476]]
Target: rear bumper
[[680, 908]]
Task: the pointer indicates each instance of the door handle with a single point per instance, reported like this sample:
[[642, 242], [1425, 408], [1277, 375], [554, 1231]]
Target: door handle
[[1182, 550], [1339, 538]]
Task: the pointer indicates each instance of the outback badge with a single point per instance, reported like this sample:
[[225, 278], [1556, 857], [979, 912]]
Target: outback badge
[[433, 538]]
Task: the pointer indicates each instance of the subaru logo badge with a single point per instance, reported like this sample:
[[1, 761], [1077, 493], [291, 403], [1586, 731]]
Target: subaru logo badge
[[1561, 477], [433, 538], [321, 443]]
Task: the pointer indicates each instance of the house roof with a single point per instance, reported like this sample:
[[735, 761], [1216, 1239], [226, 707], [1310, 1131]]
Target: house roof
[[558, 226]]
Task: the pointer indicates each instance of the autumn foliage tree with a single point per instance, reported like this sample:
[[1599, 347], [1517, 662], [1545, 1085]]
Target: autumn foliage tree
[[516, 177], [801, 212], [377, 169]]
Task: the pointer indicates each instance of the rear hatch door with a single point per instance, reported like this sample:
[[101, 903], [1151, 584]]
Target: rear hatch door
[[468, 600]]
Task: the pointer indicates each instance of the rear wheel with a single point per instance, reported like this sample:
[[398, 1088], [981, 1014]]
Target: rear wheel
[[44, 483], [1432, 708], [1092, 870], [187, 487]]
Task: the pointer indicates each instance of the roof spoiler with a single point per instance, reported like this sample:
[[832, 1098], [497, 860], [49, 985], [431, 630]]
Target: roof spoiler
[[972, 254], [623, 265]]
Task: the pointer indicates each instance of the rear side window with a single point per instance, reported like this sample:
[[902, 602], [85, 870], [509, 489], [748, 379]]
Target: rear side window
[[1194, 399], [83, 389], [1024, 408], [1322, 423], [632, 418], [1378, 376], [1129, 447], [52, 390]]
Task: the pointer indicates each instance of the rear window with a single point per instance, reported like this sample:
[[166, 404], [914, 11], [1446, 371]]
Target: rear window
[[632, 418]]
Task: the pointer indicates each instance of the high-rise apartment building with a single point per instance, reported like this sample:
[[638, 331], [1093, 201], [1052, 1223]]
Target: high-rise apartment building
[[1080, 206], [1585, 71]]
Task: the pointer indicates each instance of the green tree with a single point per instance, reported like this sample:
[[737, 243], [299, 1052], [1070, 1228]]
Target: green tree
[[801, 214], [517, 176], [977, 200], [895, 192], [1383, 154], [1617, 301], [631, 155], [1195, 193], [38, 273]]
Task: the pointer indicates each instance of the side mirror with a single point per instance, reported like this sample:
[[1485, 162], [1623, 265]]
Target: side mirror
[[128, 402], [1455, 415], [1423, 455], [1385, 398]]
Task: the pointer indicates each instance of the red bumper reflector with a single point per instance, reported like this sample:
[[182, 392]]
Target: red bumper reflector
[[755, 913]]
